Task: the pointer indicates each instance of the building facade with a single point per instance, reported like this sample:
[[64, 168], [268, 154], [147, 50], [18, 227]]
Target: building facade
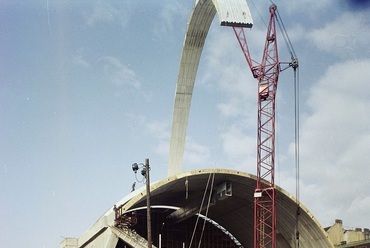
[[351, 238]]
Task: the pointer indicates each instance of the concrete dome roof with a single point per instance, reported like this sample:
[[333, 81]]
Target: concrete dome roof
[[234, 213]]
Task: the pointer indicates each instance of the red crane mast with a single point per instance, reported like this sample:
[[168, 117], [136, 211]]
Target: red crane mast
[[267, 74]]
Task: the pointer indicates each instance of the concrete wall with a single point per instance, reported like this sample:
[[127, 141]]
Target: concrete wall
[[339, 235], [335, 232], [69, 243], [354, 235], [105, 240]]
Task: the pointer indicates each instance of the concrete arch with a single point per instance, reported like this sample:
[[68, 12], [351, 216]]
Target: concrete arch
[[235, 213], [230, 13], [180, 194], [177, 205]]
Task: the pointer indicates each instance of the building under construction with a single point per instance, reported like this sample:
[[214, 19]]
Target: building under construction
[[207, 208], [213, 208]]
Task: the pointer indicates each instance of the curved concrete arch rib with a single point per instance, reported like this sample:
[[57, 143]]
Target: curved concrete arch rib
[[230, 13]]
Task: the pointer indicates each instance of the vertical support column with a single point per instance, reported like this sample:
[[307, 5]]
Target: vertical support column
[[149, 222]]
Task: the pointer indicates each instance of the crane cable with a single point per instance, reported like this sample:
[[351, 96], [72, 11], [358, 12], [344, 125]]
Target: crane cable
[[206, 215], [201, 206], [285, 36], [296, 141], [294, 65], [263, 21]]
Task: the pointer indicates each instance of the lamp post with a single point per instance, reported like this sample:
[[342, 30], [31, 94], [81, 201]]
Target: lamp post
[[145, 172]]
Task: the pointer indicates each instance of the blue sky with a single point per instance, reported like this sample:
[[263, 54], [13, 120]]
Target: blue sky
[[87, 89]]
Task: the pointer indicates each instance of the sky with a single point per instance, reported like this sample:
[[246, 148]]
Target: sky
[[87, 88]]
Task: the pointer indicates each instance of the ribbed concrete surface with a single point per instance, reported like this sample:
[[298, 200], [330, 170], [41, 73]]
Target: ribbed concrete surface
[[236, 212], [231, 12]]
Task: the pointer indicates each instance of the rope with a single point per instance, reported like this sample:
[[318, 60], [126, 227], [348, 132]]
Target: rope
[[259, 14], [294, 65], [186, 188], [206, 215], [296, 120], [296, 128], [287, 41], [277, 139], [200, 209]]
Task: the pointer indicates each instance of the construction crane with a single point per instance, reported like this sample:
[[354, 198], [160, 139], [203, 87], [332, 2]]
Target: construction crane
[[267, 75]]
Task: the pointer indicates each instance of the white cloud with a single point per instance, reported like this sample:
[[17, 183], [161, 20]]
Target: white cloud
[[347, 37], [240, 148], [105, 12], [231, 108], [170, 12], [161, 132], [335, 141], [228, 72], [296, 34], [306, 7], [196, 155], [135, 121], [79, 60], [119, 73], [160, 129], [161, 148], [354, 215]]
